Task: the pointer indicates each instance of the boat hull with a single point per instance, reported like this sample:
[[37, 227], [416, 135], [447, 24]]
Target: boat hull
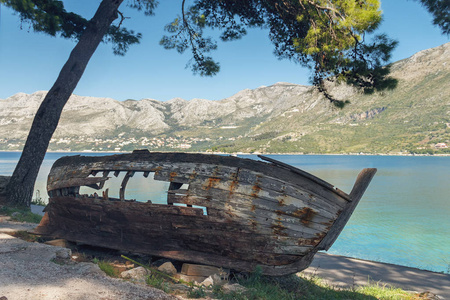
[[237, 213]]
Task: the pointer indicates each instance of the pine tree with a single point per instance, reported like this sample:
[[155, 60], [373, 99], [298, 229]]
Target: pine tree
[[326, 36]]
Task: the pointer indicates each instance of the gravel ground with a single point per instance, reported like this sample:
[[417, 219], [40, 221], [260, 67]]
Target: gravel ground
[[29, 271]]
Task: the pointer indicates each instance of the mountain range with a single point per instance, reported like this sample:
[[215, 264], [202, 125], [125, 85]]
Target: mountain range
[[281, 118]]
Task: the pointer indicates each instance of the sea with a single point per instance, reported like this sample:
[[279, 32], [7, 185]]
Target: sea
[[403, 218]]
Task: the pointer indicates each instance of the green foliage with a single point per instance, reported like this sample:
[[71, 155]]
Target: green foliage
[[384, 291], [108, 269], [20, 215], [440, 9], [327, 37], [273, 288], [265, 136], [26, 236], [158, 281], [37, 200], [301, 288], [187, 32], [50, 17], [196, 292]]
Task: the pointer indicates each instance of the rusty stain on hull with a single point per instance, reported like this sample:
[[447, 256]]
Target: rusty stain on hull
[[236, 213]]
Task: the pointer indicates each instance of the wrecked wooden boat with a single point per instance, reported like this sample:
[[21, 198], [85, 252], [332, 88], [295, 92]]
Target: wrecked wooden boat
[[221, 210]]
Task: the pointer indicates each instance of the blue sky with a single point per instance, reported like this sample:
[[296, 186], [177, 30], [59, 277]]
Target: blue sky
[[31, 61]]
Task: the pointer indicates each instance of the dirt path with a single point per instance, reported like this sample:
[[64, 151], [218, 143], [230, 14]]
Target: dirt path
[[29, 271]]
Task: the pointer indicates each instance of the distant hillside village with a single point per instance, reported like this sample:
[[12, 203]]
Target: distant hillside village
[[113, 144], [121, 144]]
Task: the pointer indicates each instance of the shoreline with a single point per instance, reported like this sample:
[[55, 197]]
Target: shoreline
[[254, 153], [346, 272]]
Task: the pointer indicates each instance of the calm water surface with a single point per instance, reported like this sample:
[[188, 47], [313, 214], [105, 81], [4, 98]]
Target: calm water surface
[[403, 218]]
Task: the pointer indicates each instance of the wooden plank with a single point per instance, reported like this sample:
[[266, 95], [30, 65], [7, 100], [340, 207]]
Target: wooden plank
[[304, 217], [199, 270], [248, 181], [59, 184], [362, 182], [162, 226], [288, 262], [269, 200], [298, 171], [124, 184]]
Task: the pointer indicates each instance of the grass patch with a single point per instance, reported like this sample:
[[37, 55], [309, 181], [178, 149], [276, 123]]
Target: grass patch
[[315, 288], [26, 236], [20, 214], [297, 287], [197, 292], [108, 269], [256, 286], [384, 292], [157, 281]]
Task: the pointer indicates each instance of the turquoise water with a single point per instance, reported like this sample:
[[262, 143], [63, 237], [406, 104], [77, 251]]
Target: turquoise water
[[403, 218]]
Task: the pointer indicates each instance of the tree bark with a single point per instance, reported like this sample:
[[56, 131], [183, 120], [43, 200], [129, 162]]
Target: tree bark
[[19, 190]]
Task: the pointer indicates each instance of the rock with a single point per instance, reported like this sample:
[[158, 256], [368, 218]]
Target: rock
[[219, 279], [3, 298], [161, 261], [4, 218], [233, 288], [64, 253], [87, 268], [178, 287], [167, 268], [138, 274], [16, 214], [207, 282], [59, 243], [188, 278], [428, 296]]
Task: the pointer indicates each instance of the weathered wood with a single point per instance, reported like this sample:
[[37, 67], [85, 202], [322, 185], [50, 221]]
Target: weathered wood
[[199, 270], [88, 181], [298, 171], [361, 184], [124, 184], [257, 213], [268, 182]]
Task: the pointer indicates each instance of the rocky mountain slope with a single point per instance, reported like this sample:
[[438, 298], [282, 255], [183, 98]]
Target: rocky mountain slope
[[283, 117]]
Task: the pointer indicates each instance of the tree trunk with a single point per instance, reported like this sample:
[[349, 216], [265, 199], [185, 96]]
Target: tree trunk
[[19, 190]]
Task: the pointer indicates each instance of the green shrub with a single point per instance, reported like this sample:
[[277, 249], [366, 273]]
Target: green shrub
[[20, 215], [108, 269], [157, 281], [196, 292]]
